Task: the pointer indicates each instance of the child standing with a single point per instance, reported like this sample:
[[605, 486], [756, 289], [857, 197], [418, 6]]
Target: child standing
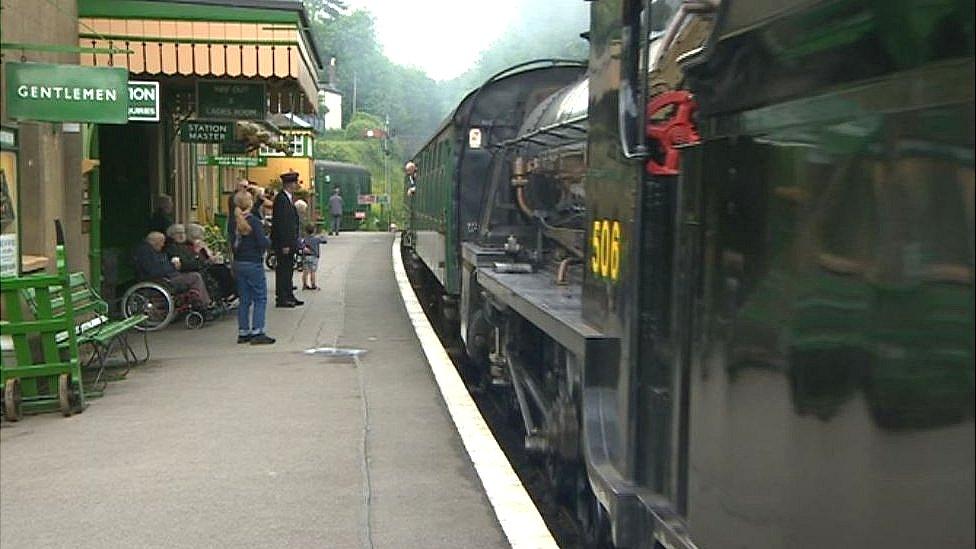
[[310, 257]]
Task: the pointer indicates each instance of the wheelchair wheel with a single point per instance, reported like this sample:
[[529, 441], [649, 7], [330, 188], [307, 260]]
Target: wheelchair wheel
[[271, 261], [152, 300], [194, 320]]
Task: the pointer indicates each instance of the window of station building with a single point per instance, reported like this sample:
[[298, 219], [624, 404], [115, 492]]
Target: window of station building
[[296, 147]]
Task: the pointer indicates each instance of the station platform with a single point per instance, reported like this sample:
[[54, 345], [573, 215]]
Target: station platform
[[215, 444]]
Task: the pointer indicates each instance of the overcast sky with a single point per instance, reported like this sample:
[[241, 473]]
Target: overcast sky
[[442, 37]]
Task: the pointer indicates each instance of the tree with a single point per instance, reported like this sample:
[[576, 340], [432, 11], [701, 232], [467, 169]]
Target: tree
[[372, 83]]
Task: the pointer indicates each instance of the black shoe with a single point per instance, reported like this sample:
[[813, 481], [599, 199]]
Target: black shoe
[[285, 305], [244, 338], [262, 339], [297, 303]]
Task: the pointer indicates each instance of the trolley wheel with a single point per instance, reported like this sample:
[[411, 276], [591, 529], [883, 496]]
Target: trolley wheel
[[194, 320], [65, 400], [152, 300], [12, 399], [271, 261]]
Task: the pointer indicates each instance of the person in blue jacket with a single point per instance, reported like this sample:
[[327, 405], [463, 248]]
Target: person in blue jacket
[[246, 236]]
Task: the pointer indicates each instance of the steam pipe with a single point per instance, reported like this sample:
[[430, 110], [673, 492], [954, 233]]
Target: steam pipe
[[523, 205]]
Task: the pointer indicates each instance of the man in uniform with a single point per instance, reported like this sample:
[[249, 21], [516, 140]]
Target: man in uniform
[[284, 240]]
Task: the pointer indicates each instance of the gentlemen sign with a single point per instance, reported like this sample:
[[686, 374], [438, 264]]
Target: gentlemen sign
[[206, 131], [143, 101], [231, 100], [67, 93]]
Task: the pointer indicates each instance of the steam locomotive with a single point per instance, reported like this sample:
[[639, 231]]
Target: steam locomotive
[[723, 274]]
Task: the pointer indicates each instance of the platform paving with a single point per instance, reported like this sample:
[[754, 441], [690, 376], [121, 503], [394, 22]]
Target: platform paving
[[215, 444]]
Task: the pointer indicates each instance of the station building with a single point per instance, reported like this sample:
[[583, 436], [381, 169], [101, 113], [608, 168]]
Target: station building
[[207, 80], [233, 64]]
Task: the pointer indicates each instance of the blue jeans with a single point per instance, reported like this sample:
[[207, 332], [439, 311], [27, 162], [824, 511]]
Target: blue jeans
[[252, 288], [336, 223]]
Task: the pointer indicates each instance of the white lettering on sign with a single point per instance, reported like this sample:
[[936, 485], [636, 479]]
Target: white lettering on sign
[[68, 94], [142, 94]]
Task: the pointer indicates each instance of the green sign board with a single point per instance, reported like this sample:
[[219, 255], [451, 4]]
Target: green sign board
[[67, 93], [231, 100], [143, 101], [237, 161], [206, 131]]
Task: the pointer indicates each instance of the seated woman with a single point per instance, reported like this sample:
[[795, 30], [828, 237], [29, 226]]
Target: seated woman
[[177, 246], [213, 266], [152, 263]]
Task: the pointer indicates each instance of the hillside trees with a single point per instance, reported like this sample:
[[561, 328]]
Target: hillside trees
[[407, 95]]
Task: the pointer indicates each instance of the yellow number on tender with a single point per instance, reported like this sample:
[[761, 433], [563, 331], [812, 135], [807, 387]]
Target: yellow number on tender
[[605, 253]]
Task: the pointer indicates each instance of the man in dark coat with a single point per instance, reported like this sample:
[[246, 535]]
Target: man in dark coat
[[335, 209], [284, 239]]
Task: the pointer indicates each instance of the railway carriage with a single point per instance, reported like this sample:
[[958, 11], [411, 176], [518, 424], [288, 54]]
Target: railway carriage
[[352, 180], [724, 280]]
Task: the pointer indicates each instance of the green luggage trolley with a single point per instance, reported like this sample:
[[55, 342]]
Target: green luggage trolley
[[50, 379]]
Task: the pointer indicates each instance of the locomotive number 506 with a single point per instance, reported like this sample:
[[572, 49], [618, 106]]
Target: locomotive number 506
[[605, 255]]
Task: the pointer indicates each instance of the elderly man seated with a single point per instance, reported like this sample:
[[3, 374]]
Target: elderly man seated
[[151, 263]]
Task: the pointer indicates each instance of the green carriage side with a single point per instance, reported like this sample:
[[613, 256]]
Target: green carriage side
[[352, 180]]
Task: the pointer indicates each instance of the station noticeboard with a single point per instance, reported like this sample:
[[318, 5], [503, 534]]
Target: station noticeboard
[[67, 93], [229, 100], [9, 207]]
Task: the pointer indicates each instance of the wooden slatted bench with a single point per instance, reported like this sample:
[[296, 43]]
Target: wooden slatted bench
[[93, 327]]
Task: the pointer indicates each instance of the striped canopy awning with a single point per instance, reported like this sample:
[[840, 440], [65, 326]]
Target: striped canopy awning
[[275, 53]]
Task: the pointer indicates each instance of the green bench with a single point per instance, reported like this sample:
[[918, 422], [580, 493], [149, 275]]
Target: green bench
[[94, 329]]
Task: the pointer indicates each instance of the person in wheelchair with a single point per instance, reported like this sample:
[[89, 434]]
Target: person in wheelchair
[[216, 273], [153, 264], [177, 246]]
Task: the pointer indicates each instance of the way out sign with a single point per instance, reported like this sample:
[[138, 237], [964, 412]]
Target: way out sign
[[143, 101]]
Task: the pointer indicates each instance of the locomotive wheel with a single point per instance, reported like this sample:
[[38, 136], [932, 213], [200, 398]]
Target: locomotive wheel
[[65, 402], [12, 399]]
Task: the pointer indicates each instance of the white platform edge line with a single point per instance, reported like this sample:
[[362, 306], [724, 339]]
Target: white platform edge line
[[517, 514]]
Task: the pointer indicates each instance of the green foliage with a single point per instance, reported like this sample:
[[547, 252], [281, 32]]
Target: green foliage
[[361, 121], [408, 96], [216, 241], [374, 87]]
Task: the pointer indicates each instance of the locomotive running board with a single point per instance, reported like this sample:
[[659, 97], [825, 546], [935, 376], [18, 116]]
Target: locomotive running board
[[556, 310]]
